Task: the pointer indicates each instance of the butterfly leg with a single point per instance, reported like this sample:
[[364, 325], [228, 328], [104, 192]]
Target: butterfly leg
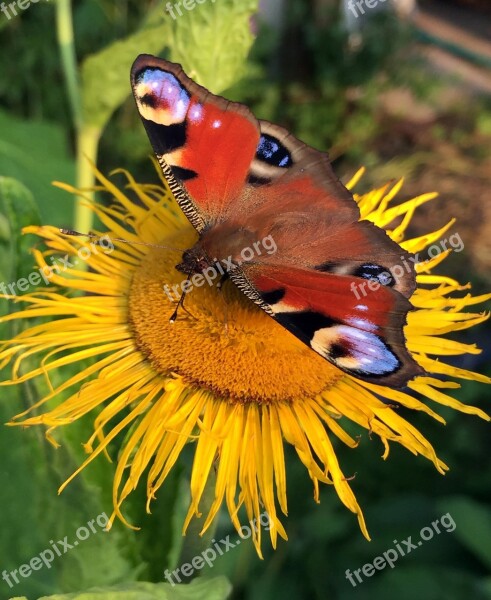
[[180, 304]]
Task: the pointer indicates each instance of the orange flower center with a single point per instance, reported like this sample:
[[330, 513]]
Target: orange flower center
[[221, 340]]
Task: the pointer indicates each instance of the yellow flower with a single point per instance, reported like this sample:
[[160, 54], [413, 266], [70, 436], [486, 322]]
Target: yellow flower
[[237, 390]]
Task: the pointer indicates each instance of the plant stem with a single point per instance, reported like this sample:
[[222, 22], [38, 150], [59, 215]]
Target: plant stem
[[87, 145], [87, 137], [64, 30]]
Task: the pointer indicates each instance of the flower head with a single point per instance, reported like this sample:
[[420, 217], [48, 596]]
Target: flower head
[[224, 375]]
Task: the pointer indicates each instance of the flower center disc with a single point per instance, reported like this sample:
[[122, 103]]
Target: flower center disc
[[224, 343]]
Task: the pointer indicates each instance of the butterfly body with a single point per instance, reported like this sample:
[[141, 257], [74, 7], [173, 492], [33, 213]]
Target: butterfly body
[[270, 209]]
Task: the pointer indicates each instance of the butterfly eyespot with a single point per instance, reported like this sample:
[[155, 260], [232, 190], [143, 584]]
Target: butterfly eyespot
[[273, 152], [377, 273], [164, 88]]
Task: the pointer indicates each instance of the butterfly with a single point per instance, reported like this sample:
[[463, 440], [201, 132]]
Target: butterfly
[[238, 180]]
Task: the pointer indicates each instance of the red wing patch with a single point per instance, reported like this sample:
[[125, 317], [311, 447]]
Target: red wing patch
[[362, 337]]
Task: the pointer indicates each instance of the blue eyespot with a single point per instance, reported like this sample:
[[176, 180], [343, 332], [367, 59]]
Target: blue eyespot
[[271, 151]]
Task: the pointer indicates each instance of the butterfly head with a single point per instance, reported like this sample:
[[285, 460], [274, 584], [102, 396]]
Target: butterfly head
[[194, 260]]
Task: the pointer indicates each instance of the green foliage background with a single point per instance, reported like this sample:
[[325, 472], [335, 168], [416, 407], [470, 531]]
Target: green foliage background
[[302, 76]]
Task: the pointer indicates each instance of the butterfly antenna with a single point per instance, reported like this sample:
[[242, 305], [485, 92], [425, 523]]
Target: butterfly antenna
[[97, 237]]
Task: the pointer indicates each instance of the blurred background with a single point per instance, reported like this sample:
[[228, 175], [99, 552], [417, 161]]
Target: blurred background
[[403, 88]]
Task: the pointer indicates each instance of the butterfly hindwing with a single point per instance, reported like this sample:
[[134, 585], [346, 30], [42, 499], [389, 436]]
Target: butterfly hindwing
[[362, 337]]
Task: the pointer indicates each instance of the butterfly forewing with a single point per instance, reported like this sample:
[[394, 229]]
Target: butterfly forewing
[[207, 141]]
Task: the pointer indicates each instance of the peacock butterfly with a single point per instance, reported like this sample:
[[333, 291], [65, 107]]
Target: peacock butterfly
[[239, 179]]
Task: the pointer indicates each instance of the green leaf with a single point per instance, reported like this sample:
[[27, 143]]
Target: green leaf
[[35, 153], [100, 560], [25, 468], [406, 582], [473, 525], [105, 75], [18, 209], [36, 514], [30, 504], [212, 41], [210, 589], [486, 587]]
